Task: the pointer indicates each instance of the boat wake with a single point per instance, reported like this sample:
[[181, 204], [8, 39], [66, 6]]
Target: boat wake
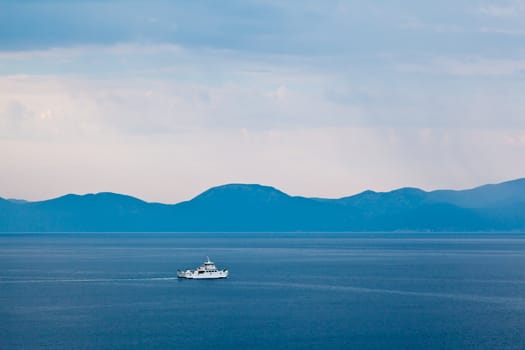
[[86, 280], [512, 302]]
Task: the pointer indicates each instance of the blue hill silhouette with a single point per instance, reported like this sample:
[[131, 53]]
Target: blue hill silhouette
[[252, 207]]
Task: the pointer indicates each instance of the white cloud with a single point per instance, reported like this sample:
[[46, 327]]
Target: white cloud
[[185, 121], [503, 9], [74, 107], [498, 11], [511, 32], [516, 138], [468, 66], [326, 162], [66, 53]]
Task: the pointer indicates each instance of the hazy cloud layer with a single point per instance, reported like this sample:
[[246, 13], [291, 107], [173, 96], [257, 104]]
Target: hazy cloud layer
[[164, 99]]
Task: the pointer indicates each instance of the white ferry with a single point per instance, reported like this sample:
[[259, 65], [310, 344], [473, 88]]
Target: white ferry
[[206, 271]]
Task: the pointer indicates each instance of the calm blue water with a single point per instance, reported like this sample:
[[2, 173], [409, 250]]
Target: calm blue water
[[313, 291]]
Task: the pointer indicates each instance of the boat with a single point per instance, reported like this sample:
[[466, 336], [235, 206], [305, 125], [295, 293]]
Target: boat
[[206, 271]]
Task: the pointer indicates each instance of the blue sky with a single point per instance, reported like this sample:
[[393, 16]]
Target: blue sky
[[163, 99]]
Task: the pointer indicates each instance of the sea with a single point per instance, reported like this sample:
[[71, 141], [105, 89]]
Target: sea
[[285, 291]]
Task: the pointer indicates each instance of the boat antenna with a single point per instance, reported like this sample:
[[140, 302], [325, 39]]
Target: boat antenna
[[208, 258]]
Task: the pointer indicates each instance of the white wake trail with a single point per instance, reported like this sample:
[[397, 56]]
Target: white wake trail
[[86, 280]]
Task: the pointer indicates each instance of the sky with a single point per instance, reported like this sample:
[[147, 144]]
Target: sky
[[162, 100]]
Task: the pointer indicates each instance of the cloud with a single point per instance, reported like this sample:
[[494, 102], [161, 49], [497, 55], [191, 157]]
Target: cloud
[[71, 52], [498, 11], [506, 9], [344, 92], [78, 107], [306, 28], [154, 131], [468, 66], [327, 162], [180, 90], [503, 31]]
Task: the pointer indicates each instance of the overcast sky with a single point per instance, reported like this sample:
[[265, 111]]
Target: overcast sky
[[164, 99]]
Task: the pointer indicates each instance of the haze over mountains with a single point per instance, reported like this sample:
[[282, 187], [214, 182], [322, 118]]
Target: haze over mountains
[[242, 207]]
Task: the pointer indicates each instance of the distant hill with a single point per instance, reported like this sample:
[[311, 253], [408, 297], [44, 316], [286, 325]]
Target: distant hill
[[251, 207]]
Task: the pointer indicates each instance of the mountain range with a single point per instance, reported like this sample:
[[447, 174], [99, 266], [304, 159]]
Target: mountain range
[[257, 208]]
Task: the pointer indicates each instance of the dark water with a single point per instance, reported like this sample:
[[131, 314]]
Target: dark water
[[118, 291]]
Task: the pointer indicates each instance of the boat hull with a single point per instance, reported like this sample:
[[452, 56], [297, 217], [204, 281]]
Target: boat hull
[[189, 274]]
